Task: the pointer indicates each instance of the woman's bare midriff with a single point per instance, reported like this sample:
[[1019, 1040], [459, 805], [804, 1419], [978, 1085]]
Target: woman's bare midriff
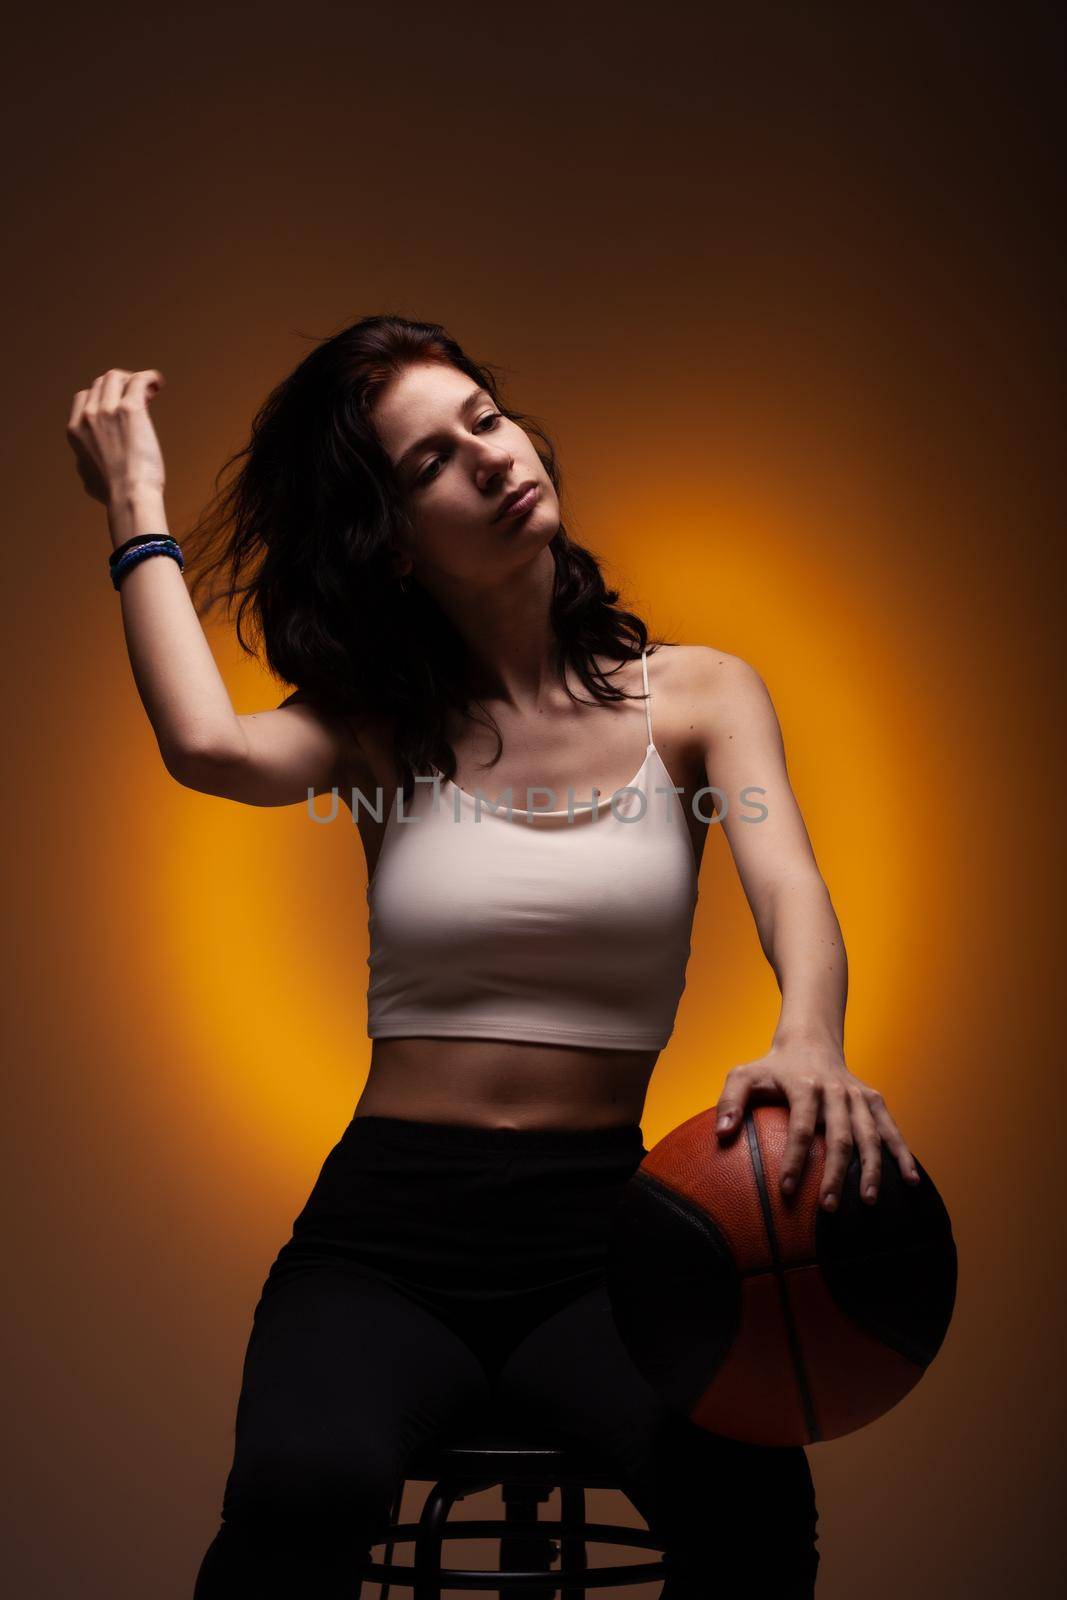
[[503, 1083]]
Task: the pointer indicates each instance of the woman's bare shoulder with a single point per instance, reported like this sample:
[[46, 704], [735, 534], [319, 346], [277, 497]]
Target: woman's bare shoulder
[[701, 665], [704, 684]]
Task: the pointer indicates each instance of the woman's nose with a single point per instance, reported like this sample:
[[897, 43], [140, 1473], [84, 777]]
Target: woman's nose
[[495, 461]]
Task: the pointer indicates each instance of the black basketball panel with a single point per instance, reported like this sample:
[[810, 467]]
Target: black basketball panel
[[674, 1290], [891, 1266]]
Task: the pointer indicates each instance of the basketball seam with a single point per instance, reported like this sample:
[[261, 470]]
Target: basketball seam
[[862, 1256], [792, 1335], [704, 1225]]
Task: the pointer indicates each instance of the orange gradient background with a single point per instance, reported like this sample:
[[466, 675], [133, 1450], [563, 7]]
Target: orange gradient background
[[779, 283]]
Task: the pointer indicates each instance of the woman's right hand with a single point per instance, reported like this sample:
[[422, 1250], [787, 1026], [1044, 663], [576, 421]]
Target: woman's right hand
[[115, 446]]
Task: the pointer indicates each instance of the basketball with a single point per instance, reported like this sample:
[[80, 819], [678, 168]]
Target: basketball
[[762, 1316]]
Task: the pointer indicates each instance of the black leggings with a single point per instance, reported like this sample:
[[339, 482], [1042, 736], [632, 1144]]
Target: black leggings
[[438, 1270]]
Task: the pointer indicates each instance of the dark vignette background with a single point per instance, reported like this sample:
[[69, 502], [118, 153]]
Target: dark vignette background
[[780, 279]]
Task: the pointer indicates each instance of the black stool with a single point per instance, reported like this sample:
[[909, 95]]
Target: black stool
[[527, 1472]]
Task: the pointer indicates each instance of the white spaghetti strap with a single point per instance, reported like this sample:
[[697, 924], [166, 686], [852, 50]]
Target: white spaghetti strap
[[648, 697]]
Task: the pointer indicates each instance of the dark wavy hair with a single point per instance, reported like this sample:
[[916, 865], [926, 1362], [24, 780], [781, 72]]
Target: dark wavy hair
[[306, 533]]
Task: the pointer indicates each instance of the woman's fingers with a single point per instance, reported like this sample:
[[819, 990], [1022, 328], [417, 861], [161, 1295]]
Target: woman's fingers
[[93, 402], [838, 1139], [731, 1106], [77, 406], [111, 388], [112, 435], [143, 385], [87, 468], [803, 1114], [854, 1118], [892, 1136], [870, 1148]]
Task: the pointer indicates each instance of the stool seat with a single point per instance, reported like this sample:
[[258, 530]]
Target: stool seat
[[528, 1465], [498, 1452]]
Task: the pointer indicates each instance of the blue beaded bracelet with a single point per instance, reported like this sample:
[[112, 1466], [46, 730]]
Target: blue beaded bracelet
[[141, 538], [164, 545]]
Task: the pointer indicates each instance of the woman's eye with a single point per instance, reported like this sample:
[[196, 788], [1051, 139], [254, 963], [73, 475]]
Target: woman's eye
[[426, 476]]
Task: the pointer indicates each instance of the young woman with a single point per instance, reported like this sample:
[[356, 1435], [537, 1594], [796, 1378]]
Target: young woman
[[396, 534]]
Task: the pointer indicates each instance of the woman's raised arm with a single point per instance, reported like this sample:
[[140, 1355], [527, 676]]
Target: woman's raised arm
[[267, 758]]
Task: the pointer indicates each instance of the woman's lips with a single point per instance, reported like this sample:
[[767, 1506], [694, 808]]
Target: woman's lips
[[525, 503]]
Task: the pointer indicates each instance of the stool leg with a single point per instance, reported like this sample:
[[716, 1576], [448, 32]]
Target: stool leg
[[575, 1553], [387, 1554], [526, 1551], [428, 1543]]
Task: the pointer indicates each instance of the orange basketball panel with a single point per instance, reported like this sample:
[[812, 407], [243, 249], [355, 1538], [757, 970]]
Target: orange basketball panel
[[754, 1396]]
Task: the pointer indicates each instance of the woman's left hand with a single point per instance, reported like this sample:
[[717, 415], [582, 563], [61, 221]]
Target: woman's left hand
[[815, 1081]]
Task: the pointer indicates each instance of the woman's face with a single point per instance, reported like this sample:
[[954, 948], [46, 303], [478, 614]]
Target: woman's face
[[458, 459]]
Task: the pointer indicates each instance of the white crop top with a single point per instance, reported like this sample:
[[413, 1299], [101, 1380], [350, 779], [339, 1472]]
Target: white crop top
[[486, 925]]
